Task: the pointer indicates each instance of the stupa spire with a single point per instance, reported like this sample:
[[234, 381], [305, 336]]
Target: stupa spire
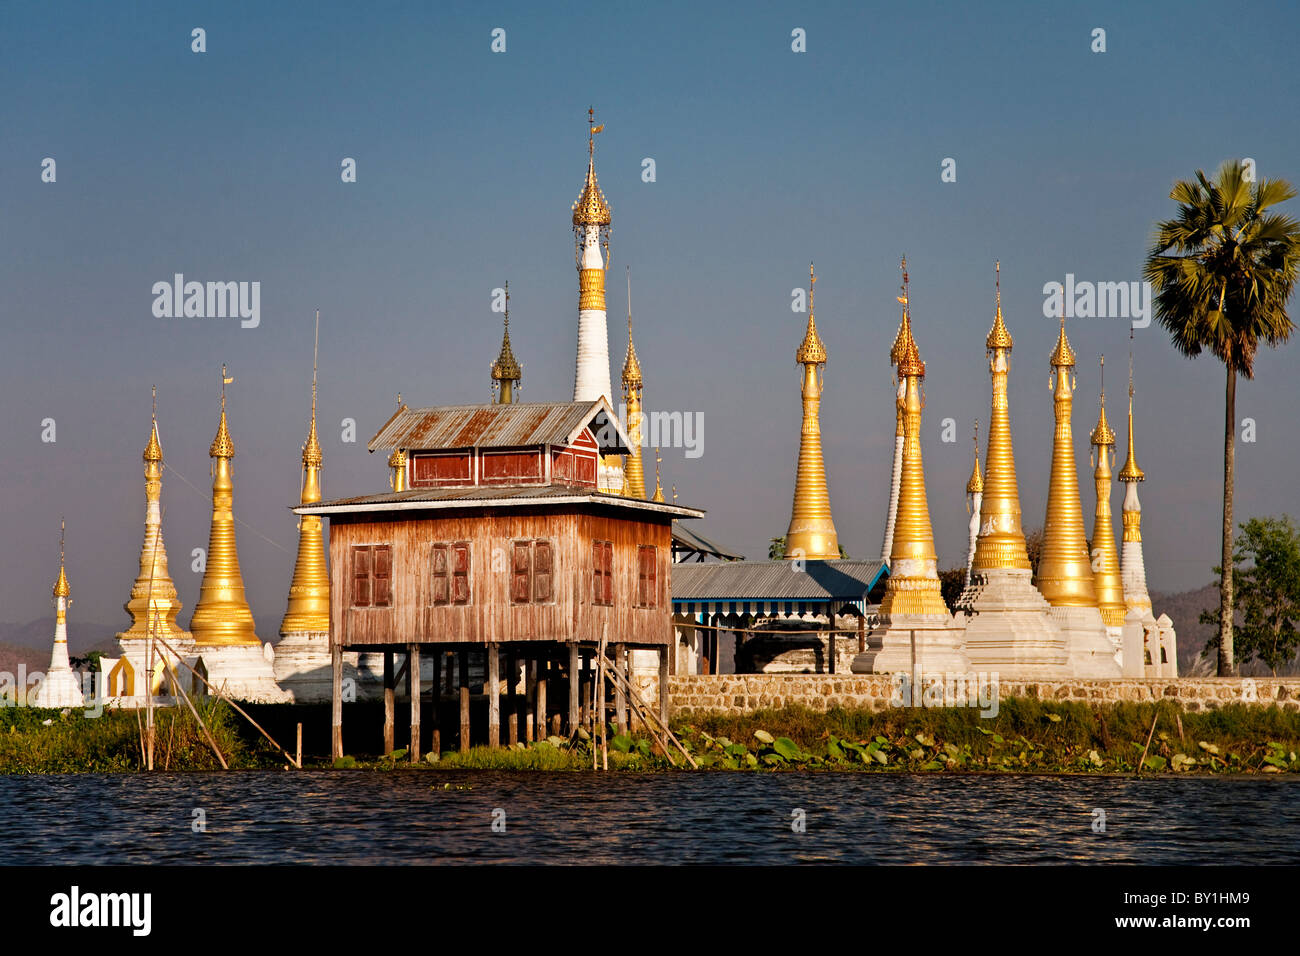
[[1105, 561], [974, 497], [309, 589], [633, 468], [913, 584], [811, 534], [153, 604], [1133, 567], [506, 372], [896, 471], [591, 227], [1001, 540], [222, 615], [60, 687], [1064, 570], [659, 490]]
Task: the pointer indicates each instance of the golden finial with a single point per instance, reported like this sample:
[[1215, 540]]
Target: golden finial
[[1103, 434], [506, 372], [998, 337], [1062, 356], [905, 354], [311, 451], [659, 491], [811, 351], [591, 208], [904, 331], [976, 484], [61, 588], [631, 365], [153, 450], [222, 446], [674, 494], [1131, 471]]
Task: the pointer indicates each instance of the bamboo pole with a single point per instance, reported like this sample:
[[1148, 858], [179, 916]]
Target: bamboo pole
[[1150, 733], [643, 710], [239, 710], [176, 685]]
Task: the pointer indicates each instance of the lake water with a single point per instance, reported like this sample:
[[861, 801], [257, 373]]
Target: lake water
[[408, 817]]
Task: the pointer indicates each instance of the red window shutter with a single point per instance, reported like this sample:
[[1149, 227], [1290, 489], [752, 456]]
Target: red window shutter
[[542, 586], [647, 574], [438, 589], [521, 579], [361, 577], [609, 572], [383, 567], [460, 573]]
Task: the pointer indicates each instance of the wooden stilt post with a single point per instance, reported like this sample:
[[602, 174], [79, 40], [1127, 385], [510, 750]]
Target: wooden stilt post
[[390, 703], [830, 645], [530, 697], [542, 666], [512, 701], [413, 661], [574, 693], [862, 632], [494, 695], [336, 709], [620, 699], [435, 743], [464, 701], [663, 686]]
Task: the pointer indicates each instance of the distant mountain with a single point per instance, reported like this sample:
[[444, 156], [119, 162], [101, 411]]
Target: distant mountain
[[1184, 609], [39, 634], [12, 655]]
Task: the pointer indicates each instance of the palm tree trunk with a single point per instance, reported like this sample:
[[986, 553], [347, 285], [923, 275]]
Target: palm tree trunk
[[1225, 580]]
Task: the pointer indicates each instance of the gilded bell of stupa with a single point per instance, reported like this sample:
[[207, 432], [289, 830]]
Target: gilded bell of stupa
[[506, 373], [1105, 560], [222, 615], [913, 583], [1001, 540], [154, 604], [633, 468], [1065, 575], [811, 535], [309, 589]]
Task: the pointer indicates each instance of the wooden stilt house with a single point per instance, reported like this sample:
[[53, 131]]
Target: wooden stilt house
[[499, 546]]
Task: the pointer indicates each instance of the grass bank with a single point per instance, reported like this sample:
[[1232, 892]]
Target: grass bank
[[34, 740], [1027, 735]]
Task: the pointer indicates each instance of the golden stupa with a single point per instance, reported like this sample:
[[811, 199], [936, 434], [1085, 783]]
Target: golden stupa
[[1065, 575], [1105, 559], [1001, 541], [811, 535], [913, 583], [309, 590], [633, 468], [222, 615], [154, 604]]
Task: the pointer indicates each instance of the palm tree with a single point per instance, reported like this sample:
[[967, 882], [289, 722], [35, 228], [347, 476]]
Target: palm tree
[[1223, 270]]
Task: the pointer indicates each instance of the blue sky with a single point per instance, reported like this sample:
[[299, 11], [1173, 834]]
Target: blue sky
[[225, 166]]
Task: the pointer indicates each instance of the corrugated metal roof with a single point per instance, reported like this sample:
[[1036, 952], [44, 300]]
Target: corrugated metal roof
[[775, 581], [487, 496], [691, 540], [500, 426]]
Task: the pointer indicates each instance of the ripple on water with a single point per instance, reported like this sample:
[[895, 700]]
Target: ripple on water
[[715, 818]]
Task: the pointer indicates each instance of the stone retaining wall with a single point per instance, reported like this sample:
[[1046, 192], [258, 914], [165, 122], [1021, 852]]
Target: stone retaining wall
[[745, 693]]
